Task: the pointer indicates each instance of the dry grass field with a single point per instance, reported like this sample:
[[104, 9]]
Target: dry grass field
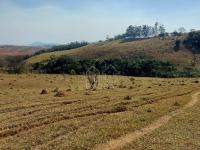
[[67, 116]]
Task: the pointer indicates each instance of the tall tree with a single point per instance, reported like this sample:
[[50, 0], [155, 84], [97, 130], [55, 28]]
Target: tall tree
[[156, 29], [193, 44]]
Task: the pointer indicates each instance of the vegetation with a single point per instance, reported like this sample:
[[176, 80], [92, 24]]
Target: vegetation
[[13, 64], [152, 48], [192, 42], [142, 31], [128, 67], [177, 45], [69, 46]]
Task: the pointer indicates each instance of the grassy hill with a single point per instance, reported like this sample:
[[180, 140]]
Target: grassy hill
[[154, 48], [17, 50]]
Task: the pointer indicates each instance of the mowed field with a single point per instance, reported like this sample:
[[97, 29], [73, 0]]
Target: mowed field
[[82, 119]]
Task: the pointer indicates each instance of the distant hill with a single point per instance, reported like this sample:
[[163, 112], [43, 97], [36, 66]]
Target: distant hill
[[153, 48], [42, 45], [10, 50]]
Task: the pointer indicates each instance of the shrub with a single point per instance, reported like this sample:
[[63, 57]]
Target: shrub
[[59, 94], [55, 90], [44, 91], [119, 108], [176, 104], [130, 87], [128, 97], [177, 45], [149, 110]]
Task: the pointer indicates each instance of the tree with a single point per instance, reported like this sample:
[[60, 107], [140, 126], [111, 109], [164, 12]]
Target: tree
[[182, 30], [156, 29], [92, 77], [175, 33], [177, 45], [145, 31], [162, 29], [193, 44]]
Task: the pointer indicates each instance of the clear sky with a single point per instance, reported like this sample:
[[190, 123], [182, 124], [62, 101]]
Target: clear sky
[[62, 21]]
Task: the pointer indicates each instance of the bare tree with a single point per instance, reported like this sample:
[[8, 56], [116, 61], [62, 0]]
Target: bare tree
[[182, 30], [92, 78]]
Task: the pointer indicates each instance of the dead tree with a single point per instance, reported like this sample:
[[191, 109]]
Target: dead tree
[[92, 78]]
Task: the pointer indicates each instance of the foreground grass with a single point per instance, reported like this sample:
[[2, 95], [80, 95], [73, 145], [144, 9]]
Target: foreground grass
[[82, 119], [182, 132]]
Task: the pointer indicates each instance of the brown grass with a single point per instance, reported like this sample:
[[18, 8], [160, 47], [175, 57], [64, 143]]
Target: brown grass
[[29, 120]]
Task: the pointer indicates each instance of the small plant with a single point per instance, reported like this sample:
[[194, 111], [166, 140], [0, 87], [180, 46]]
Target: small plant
[[59, 94], [119, 108], [128, 97], [55, 90], [176, 104], [149, 110], [130, 87], [88, 93], [68, 90], [44, 91], [132, 79], [122, 85]]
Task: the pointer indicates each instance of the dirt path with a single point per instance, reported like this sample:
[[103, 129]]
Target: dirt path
[[131, 137]]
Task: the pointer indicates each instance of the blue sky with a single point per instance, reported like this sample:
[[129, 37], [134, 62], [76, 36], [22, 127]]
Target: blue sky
[[61, 21]]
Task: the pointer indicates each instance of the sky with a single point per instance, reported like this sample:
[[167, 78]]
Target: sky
[[23, 22]]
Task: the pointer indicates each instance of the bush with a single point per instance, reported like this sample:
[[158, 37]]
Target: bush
[[177, 45], [119, 108], [128, 97], [44, 91], [59, 94]]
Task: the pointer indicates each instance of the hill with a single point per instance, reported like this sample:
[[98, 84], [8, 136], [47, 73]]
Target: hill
[[153, 48], [8, 50]]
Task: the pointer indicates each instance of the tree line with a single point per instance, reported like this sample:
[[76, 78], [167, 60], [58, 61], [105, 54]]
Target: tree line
[[128, 67], [69, 46]]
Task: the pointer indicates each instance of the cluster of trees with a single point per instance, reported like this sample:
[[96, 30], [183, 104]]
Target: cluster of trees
[[129, 67], [68, 46], [143, 31], [192, 43]]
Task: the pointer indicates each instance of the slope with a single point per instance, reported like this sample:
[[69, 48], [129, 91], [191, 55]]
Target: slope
[[154, 48]]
